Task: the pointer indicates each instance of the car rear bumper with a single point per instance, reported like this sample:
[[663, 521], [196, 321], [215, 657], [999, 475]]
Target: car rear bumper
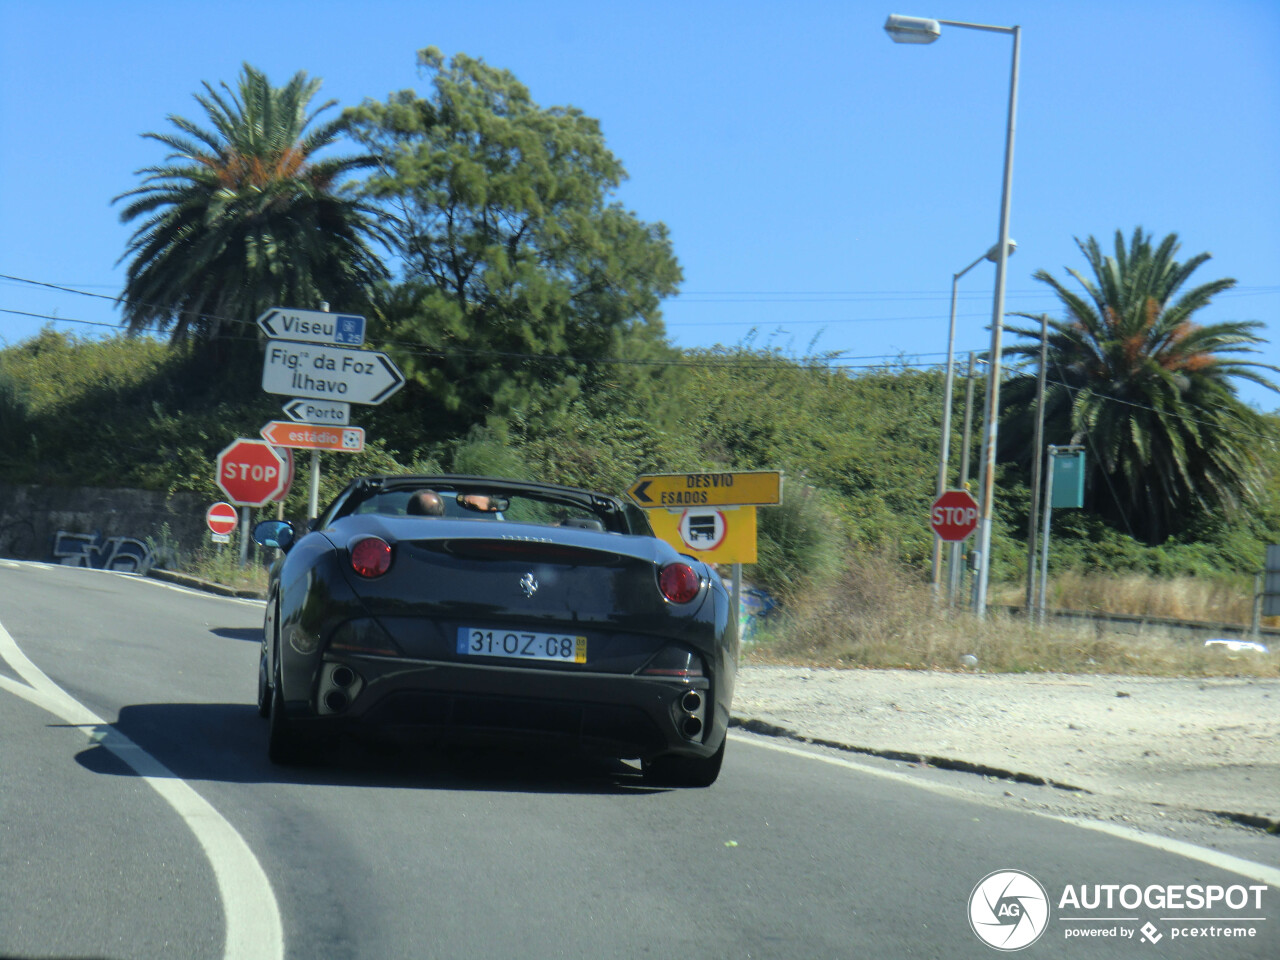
[[615, 715]]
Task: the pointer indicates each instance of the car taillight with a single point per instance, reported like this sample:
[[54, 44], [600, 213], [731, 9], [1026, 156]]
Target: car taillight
[[679, 583], [371, 557]]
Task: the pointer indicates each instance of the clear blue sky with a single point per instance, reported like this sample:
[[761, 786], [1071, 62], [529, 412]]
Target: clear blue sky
[[821, 183]]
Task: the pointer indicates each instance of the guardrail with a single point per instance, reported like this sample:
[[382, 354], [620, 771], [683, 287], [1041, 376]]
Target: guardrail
[[1168, 626]]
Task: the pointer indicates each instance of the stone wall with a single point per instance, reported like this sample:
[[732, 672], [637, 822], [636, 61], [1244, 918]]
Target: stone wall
[[91, 526]]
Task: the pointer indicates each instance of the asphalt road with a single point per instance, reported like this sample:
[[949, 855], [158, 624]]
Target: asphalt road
[[139, 818]]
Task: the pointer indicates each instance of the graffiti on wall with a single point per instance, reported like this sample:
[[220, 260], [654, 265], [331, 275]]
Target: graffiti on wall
[[124, 554]]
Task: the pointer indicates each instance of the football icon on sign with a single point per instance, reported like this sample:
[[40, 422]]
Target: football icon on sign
[[702, 529]]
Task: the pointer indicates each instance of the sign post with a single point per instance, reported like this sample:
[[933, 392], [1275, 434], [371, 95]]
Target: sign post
[[1271, 583], [1066, 463]]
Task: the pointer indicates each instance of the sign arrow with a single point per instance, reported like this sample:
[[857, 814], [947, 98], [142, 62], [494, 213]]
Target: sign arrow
[[761, 488], [282, 433], [312, 326], [317, 372], [318, 411]]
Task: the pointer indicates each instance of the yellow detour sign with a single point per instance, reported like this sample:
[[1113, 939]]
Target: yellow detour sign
[[717, 535], [761, 488]]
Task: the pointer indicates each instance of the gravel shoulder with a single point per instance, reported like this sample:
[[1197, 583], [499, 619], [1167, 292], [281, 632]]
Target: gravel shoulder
[[1199, 744]]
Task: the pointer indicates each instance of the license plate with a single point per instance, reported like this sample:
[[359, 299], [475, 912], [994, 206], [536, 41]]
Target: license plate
[[521, 645]]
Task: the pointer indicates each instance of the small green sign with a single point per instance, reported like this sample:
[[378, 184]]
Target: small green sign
[[1068, 480]]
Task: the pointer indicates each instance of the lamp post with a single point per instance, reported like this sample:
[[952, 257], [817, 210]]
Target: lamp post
[[945, 450], [920, 30]]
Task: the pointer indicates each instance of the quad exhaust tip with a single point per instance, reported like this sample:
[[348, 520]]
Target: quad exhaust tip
[[691, 702], [335, 700]]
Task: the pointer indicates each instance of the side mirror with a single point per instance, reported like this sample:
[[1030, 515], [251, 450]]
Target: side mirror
[[273, 533]]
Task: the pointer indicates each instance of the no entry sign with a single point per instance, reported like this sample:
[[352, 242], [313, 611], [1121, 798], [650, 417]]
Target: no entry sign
[[954, 515], [221, 518], [250, 472]]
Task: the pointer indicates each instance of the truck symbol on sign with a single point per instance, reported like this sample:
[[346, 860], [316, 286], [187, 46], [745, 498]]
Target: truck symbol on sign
[[702, 528]]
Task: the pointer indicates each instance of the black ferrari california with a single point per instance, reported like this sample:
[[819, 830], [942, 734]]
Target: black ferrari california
[[463, 608]]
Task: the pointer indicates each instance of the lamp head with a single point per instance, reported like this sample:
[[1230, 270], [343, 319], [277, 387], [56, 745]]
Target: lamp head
[[911, 29], [994, 253]]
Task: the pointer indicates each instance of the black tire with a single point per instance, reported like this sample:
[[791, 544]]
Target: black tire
[[685, 771], [264, 667], [264, 688], [284, 747]]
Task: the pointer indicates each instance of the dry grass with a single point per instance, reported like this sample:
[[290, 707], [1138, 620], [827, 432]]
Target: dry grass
[[879, 615], [1226, 599], [223, 566]]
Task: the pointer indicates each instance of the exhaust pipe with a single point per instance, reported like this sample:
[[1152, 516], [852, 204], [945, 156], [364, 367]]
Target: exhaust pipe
[[691, 727], [691, 702], [335, 700]]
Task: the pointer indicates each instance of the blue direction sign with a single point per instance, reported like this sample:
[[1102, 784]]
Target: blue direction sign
[[312, 326]]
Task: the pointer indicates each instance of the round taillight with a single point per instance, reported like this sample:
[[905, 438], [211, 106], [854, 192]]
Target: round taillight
[[371, 557], [679, 583]]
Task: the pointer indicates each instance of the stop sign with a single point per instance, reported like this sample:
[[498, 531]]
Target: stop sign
[[250, 472], [221, 518], [954, 515]]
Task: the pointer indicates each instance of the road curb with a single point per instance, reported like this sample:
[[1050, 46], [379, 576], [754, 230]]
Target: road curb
[[208, 586], [767, 729], [763, 727]]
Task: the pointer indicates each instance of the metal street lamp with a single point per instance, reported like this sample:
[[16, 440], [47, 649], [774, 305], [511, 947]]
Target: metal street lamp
[[919, 30], [945, 452]]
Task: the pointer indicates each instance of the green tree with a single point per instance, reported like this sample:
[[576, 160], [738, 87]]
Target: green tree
[[245, 216], [520, 274], [1148, 390]]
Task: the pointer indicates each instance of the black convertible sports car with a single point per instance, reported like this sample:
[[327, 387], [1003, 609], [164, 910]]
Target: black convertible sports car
[[460, 607]]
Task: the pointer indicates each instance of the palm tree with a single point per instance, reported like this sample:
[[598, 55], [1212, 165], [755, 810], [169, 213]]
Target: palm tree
[[243, 216], [1148, 391]]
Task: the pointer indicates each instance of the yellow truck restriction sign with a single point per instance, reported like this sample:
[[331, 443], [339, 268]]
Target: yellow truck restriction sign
[[716, 535]]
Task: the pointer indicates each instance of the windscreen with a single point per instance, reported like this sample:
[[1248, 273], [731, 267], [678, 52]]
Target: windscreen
[[488, 506]]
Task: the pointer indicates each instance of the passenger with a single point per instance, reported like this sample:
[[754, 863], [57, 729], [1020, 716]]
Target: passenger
[[425, 503]]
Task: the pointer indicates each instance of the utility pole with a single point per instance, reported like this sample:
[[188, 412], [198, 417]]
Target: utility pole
[[953, 585], [1036, 467]]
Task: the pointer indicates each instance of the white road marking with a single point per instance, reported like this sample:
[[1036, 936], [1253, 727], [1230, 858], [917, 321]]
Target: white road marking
[[253, 927], [1214, 858], [196, 591]]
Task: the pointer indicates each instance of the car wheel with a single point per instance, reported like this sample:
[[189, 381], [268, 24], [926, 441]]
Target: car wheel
[[685, 771], [284, 747], [264, 688], [264, 669]]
